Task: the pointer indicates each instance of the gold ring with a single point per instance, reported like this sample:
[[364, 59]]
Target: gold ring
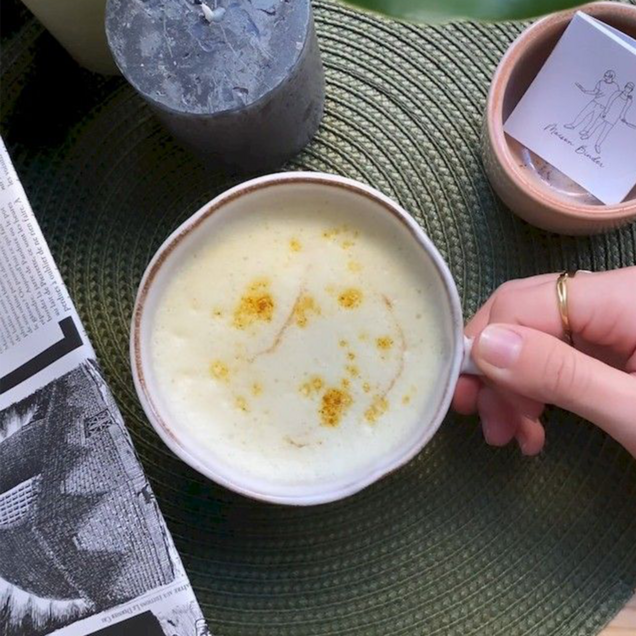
[[562, 298]]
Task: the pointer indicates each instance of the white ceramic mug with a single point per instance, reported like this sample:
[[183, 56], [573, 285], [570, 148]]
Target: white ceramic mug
[[178, 245]]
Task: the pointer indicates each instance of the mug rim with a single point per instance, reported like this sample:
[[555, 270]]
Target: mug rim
[[145, 391]]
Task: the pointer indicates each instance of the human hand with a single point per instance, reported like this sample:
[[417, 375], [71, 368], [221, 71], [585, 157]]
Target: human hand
[[526, 365]]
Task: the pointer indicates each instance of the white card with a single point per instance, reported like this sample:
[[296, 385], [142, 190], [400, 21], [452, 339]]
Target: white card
[[579, 114]]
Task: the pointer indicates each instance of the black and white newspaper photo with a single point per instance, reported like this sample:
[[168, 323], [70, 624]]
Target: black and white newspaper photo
[[84, 548]]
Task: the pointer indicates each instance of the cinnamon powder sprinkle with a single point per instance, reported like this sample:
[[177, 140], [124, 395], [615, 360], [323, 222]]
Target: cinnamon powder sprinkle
[[353, 370], [304, 306], [335, 403], [255, 305], [257, 388], [312, 386], [350, 298], [378, 408], [220, 371], [384, 343], [241, 404]]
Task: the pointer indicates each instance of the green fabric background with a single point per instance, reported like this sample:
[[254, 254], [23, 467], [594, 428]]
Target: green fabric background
[[466, 539]]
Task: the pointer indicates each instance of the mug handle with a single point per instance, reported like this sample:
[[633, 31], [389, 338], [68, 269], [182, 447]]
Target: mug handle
[[468, 364]]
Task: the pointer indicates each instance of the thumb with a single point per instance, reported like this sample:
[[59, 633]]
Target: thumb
[[543, 368]]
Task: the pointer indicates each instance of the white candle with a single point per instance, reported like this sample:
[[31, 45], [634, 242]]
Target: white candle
[[78, 25]]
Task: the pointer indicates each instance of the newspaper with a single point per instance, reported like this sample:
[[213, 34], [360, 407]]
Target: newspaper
[[83, 546]]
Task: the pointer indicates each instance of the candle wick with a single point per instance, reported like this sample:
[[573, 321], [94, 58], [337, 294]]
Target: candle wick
[[212, 15], [207, 12]]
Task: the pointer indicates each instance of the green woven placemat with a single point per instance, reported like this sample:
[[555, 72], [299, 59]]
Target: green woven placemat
[[466, 539]]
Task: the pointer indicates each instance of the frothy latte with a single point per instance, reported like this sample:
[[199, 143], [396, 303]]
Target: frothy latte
[[301, 345]]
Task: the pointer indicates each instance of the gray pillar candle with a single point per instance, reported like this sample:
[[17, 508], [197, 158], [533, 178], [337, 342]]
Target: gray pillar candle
[[240, 82]]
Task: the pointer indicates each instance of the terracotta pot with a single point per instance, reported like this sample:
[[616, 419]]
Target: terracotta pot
[[531, 188]]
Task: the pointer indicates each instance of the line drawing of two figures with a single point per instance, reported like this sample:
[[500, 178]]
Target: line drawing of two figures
[[609, 105]]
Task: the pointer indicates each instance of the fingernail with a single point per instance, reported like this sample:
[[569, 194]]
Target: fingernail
[[522, 440], [486, 428], [499, 346]]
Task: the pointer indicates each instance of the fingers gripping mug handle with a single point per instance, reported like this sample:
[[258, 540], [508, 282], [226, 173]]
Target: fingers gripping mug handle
[[468, 364]]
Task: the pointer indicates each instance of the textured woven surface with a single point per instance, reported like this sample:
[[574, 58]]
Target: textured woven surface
[[464, 540]]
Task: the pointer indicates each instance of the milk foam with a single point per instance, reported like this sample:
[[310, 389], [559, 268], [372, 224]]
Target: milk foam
[[304, 347]]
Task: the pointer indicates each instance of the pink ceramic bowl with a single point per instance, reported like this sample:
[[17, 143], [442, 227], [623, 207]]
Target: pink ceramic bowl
[[531, 188]]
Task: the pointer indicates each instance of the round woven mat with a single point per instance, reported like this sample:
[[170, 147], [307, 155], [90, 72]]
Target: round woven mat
[[466, 539]]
